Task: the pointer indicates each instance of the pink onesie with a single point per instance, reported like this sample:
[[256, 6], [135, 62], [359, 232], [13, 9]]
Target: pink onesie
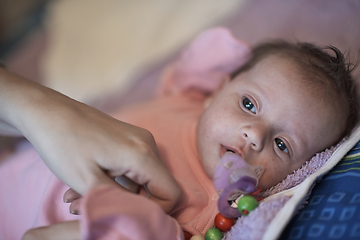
[[32, 195], [173, 121]]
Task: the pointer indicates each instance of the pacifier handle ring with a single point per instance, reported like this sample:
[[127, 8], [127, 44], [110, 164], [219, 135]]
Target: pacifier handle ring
[[245, 184]]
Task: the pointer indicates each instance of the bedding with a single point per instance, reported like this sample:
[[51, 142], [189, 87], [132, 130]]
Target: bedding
[[332, 208], [303, 191]]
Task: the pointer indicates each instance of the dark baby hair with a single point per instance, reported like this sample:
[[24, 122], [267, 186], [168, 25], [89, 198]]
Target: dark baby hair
[[316, 65]]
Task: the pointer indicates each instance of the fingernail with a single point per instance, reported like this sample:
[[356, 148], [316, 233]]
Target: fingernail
[[74, 212]]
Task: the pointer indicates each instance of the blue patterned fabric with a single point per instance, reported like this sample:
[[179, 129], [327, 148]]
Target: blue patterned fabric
[[333, 209]]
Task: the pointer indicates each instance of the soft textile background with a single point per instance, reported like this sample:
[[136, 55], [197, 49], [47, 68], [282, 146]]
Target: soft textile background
[[97, 52], [98, 46]]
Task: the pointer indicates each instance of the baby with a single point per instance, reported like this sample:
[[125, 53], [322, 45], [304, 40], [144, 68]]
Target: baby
[[286, 103]]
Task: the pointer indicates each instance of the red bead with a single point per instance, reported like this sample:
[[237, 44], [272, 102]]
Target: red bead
[[224, 224], [187, 235]]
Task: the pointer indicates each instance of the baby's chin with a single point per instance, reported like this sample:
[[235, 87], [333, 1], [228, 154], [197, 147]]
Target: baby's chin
[[265, 184]]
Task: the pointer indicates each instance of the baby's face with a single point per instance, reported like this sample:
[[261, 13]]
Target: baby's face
[[269, 117]]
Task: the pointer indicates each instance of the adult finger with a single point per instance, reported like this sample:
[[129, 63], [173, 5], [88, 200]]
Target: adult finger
[[74, 207], [70, 195], [149, 171]]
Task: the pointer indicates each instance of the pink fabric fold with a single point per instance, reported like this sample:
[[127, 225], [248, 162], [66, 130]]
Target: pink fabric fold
[[206, 63], [112, 213]]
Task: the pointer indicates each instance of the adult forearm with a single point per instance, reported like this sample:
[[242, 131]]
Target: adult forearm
[[16, 97], [81, 145], [40, 114], [26, 105]]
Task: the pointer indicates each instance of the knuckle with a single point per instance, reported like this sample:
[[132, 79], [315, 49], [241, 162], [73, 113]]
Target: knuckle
[[145, 150], [146, 134], [144, 143]]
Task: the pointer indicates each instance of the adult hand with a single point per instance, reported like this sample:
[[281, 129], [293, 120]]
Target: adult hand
[[74, 198], [82, 146]]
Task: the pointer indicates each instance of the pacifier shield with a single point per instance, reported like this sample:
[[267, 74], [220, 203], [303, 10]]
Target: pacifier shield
[[234, 177]]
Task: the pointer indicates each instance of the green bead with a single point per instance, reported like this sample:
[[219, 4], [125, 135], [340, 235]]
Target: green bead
[[213, 234], [246, 204]]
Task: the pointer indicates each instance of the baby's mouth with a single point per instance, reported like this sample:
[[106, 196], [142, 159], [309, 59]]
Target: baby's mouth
[[225, 149]]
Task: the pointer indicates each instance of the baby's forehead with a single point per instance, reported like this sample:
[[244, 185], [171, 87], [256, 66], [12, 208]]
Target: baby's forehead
[[274, 67], [279, 59], [301, 75]]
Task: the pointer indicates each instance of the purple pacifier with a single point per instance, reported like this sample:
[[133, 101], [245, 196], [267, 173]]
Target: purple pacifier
[[234, 177]]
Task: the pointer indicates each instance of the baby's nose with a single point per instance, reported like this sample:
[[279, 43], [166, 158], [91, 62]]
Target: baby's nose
[[255, 135]]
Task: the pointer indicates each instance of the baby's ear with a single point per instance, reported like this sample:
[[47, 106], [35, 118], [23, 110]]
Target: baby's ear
[[204, 65]]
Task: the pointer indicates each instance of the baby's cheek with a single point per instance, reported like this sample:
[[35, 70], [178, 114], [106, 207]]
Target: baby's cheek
[[273, 175]]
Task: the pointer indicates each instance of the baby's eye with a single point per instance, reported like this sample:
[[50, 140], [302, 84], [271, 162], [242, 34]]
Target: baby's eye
[[281, 145], [249, 105]]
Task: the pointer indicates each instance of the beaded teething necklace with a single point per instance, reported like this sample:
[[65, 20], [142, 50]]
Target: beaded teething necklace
[[245, 204], [236, 182]]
